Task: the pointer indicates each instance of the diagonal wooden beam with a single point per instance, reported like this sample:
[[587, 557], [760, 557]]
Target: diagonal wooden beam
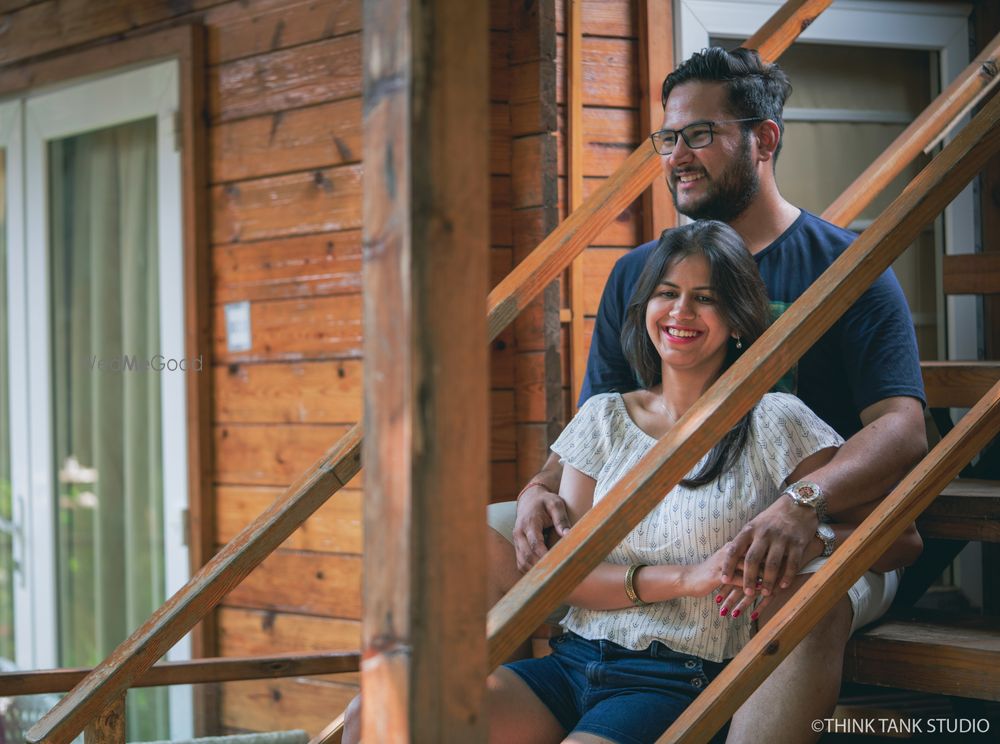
[[604, 526], [912, 140], [818, 596]]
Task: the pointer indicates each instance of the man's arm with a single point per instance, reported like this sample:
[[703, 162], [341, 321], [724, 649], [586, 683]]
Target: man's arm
[[864, 469]]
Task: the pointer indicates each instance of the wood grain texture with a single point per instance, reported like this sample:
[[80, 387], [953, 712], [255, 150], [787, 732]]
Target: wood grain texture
[[972, 273], [320, 72], [601, 18], [247, 28], [322, 200], [958, 384], [249, 632], [310, 138], [108, 727], [309, 266], [609, 72], [787, 339], [426, 273], [967, 509], [334, 528], [609, 137], [200, 671], [929, 652], [306, 703], [656, 59]]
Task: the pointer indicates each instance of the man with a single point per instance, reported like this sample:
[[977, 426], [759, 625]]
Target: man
[[721, 135]]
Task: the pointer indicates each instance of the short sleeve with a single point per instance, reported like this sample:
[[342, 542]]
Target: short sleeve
[[586, 441], [787, 432]]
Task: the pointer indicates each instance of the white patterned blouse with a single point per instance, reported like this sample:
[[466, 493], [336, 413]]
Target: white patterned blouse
[[688, 525]]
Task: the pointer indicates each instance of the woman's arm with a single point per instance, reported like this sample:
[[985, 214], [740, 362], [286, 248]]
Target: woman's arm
[[604, 587]]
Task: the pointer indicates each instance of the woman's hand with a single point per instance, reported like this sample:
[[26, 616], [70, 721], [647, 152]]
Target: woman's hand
[[734, 602], [705, 577]]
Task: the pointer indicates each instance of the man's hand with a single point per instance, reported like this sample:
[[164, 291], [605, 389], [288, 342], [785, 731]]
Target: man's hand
[[537, 510], [770, 547]]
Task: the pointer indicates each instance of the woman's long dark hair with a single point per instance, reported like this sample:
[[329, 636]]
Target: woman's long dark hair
[[742, 304]]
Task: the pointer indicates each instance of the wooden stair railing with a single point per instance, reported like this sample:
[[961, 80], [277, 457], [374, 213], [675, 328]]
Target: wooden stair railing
[[817, 597], [526, 605], [193, 672], [341, 462]]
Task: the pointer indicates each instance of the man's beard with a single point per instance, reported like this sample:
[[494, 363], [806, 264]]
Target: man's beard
[[730, 194]]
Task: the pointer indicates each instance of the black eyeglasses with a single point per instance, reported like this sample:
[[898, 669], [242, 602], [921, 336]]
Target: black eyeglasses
[[696, 136]]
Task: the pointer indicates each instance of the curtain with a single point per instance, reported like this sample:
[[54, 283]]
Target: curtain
[[107, 433]]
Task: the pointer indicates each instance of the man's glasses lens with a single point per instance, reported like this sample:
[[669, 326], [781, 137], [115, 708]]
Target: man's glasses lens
[[695, 136]]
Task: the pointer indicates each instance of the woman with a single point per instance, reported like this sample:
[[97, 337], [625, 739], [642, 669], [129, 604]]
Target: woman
[[647, 630]]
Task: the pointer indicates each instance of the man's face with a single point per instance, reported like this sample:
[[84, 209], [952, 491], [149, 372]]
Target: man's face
[[718, 181]]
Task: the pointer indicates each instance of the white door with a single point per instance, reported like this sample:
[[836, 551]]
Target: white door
[[95, 345]]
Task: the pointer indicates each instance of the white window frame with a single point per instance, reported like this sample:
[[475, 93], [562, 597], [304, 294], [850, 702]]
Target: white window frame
[[67, 110], [941, 28]]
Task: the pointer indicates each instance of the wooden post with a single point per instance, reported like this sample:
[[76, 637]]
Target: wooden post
[[656, 59], [574, 128], [425, 286], [108, 727]]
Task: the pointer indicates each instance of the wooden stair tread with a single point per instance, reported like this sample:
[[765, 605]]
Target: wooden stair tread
[[926, 651], [958, 384], [967, 509]]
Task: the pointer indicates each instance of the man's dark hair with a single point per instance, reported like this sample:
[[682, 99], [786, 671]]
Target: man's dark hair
[[757, 89], [742, 303]]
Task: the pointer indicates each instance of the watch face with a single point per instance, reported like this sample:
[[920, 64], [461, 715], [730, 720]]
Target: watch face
[[826, 532]]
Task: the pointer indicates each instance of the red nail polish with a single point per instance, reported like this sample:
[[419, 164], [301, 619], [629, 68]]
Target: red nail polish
[[754, 615], [736, 613], [724, 611], [718, 599]]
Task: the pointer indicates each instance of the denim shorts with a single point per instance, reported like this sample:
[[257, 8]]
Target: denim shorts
[[601, 688]]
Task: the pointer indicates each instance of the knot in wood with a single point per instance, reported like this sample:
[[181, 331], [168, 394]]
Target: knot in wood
[[806, 23], [990, 68], [772, 648]]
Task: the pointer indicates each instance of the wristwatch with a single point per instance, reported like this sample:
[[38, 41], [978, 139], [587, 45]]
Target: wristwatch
[[807, 493], [825, 533]]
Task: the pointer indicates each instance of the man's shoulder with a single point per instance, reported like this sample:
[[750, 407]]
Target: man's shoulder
[[819, 234], [632, 263]]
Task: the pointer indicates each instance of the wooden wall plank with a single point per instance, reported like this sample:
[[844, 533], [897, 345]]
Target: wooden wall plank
[[597, 265], [624, 232], [309, 583], [314, 73], [610, 74], [609, 137], [602, 18], [248, 632], [307, 703], [656, 60], [269, 455], [321, 136], [972, 273], [308, 266], [46, 27], [252, 27], [334, 528], [321, 200], [294, 393], [294, 330]]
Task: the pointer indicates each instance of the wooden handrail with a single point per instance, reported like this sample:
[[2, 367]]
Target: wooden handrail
[[604, 526], [820, 593], [193, 672], [911, 142], [113, 676]]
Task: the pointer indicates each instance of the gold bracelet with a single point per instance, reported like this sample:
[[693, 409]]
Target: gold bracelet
[[630, 591]]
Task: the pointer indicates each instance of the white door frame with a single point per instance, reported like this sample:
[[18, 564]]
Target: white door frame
[[110, 100], [942, 28]]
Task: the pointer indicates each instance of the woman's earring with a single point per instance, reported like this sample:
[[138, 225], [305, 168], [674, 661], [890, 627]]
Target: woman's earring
[[739, 342]]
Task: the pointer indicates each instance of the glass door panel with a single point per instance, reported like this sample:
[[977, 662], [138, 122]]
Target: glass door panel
[[7, 529], [106, 398]]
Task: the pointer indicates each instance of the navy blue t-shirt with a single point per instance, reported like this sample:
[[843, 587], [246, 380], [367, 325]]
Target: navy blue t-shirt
[[866, 356]]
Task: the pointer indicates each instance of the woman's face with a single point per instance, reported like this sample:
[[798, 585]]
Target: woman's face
[[683, 318]]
